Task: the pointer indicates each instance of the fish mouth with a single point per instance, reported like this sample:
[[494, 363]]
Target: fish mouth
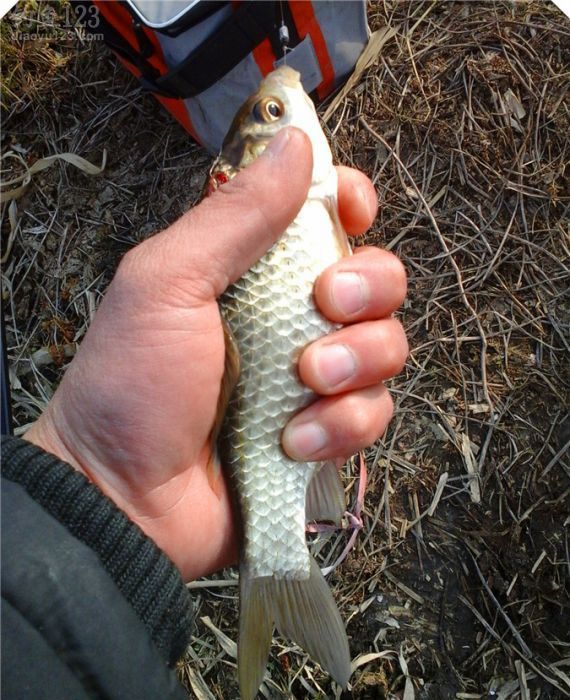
[[237, 154], [240, 151]]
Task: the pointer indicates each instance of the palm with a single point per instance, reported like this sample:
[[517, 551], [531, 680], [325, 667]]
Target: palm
[[155, 405]]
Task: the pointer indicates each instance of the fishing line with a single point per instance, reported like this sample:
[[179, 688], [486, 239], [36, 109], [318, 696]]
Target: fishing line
[[283, 34]]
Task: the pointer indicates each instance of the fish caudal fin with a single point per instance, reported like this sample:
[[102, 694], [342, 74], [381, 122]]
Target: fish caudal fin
[[304, 611], [255, 632]]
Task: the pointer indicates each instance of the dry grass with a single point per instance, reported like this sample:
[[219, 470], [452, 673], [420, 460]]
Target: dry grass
[[457, 585]]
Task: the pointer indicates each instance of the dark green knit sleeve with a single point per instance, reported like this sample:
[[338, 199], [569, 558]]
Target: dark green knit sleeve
[[143, 573]]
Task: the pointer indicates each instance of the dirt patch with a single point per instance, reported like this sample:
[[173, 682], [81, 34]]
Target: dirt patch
[[458, 584]]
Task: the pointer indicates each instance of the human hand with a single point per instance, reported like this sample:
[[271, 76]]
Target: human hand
[[136, 406]]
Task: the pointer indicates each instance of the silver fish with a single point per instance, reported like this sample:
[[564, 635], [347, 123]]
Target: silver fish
[[271, 316]]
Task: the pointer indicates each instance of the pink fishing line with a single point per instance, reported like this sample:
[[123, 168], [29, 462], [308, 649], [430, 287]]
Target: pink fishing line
[[354, 519]]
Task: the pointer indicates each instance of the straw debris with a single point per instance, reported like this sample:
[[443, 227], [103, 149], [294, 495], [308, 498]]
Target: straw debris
[[457, 583]]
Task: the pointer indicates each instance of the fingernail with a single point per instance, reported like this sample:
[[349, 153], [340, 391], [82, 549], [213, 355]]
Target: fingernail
[[349, 292], [303, 441], [334, 364], [277, 144]]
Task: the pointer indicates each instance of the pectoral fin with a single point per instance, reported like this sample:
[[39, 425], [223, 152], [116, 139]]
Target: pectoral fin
[[325, 495]]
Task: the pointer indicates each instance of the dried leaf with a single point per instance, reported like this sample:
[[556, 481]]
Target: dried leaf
[[472, 470], [364, 659], [25, 178], [513, 104], [523, 686], [229, 646], [409, 686], [198, 684], [442, 481], [479, 408]]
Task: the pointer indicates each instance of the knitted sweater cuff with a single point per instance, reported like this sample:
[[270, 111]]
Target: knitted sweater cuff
[[142, 572]]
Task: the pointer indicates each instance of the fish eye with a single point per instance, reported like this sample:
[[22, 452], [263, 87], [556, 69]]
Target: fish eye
[[273, 109], [268, 110]]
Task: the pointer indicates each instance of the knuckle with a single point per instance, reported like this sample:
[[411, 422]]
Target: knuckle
[[132, 270], [361, 425]]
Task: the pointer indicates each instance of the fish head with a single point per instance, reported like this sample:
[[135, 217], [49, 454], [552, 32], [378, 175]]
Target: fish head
[[280, 101]]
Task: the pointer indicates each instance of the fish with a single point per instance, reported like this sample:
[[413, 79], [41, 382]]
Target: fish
[[269, 316]]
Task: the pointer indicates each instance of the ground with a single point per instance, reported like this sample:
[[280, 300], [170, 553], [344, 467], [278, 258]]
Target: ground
[[457, 584]]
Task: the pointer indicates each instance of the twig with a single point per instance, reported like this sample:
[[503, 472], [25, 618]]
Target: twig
[[527, 652]]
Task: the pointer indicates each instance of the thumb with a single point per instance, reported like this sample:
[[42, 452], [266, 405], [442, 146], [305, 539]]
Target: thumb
[[214, 243]]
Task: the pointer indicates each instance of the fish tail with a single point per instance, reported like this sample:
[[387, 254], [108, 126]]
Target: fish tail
[[255, 631], [303, 611]]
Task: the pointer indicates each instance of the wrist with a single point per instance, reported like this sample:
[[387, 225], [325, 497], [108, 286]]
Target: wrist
[[52, 433], [46, 435]]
